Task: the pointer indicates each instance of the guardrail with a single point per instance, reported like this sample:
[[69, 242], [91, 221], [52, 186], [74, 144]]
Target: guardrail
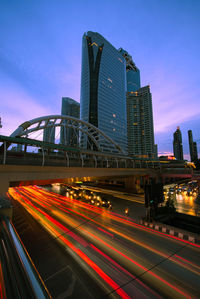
[[50, 154], [59, 159], [18, 275]]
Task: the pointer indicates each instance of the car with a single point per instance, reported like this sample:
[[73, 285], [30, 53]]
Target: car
[[106, 203], [95, 199], [102, 202], [86, 194]]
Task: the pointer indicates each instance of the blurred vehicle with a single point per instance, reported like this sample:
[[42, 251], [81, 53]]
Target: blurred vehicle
[[75, 194], [103, 203], [96, 199], [165, 191], [87, 194], [194, 193], [189, 192], [106, 203]]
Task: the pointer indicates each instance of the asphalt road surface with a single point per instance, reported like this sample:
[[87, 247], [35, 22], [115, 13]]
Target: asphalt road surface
[[117, 257]]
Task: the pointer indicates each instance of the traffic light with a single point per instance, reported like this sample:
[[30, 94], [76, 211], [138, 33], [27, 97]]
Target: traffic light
[[153, 194]]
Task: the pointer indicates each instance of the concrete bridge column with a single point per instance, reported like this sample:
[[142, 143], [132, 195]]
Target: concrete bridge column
[[4, 185], [134, 184]]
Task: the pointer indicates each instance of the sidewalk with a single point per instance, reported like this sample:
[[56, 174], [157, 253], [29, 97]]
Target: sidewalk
[[173, 231]]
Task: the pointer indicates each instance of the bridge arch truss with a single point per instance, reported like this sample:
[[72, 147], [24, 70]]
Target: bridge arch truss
[[87, 135]]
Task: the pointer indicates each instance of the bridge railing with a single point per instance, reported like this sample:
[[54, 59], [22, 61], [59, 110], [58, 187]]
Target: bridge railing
[[18, 277], [60, 155]]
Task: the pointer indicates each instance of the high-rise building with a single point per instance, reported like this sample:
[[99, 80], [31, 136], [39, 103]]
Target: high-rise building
[[70, 107], [103, 88], [177, 144], [195, 151], [192, 147], [140, 129], [49, 134], [132, 72]]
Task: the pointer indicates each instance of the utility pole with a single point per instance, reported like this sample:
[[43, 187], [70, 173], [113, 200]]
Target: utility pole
[[0, 123]]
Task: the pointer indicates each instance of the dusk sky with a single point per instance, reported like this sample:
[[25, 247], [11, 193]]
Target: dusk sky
[[40, 57]]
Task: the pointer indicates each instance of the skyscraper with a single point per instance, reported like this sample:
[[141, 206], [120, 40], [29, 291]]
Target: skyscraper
[[140, 130], [103, 87], [70, 107], [132, 72], [195, 151], [192, 147], [49, 134], [177, 144]]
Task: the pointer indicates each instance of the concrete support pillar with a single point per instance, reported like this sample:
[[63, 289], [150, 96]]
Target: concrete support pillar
[[146, 180], [133, 184], [4, 185]]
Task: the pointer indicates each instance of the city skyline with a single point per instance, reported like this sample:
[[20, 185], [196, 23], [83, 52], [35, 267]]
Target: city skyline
[[41, 59]]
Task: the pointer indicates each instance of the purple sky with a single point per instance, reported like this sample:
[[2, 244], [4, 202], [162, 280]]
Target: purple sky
[[40, 57]]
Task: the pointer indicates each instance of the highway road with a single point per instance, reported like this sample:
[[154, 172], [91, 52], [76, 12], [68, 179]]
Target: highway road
[[139, 198], [185, 203], [125, 259]]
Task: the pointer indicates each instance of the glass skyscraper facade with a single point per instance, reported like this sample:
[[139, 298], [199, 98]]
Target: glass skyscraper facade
[[103, 87], [132, 72], [70, 107], [192, 147], [140, 129], [177, 144]]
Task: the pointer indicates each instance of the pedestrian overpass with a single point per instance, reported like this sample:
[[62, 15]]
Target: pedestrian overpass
[[26, 159]]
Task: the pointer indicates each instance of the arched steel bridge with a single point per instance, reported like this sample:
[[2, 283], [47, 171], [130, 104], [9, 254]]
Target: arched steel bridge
[[92, 147], [87, 135]]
